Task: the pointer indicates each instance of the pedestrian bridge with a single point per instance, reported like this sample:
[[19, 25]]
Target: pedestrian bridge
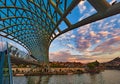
[[33, 23], [20, 57]]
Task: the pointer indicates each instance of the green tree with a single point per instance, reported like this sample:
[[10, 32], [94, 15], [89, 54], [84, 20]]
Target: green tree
[[93, 65]]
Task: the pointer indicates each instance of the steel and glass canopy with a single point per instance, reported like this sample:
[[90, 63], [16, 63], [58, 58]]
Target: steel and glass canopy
[[32, 23]]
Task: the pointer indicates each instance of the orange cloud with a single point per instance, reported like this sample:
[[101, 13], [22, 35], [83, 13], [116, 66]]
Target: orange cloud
[[66, 56], [110, 45], [104, 33]]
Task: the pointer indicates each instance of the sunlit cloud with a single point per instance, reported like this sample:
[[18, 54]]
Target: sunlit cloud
[[81, 6], [92, 34], [64, 56], [60, 56], [104, 33], [83, 29], [82, 44], [109, 45]]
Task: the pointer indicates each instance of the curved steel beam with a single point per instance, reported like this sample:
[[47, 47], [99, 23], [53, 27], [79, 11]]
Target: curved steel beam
[[37, 21]]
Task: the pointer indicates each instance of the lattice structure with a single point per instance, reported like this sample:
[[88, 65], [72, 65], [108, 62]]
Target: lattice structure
[[32, 23]]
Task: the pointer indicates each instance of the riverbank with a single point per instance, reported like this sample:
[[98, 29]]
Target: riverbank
[[38, 74], [51, 71], [56, 73]]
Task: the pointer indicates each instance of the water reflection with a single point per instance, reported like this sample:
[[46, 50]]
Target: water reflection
[[106, 77], [34, 79], [45, 79], [96, 78], [38, 79]]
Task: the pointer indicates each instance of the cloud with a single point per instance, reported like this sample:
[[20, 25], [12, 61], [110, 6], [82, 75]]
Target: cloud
[[119, 21], [73, 36], [100, 23], [109, 45], [111, 41], [104, 33], [60, 56], [113, 20], [83, 44], [66, 56], [97, 41], [83, 29], [70, 46], [82, 6], [112, 1], [92, 34], [66, 36], [84, 16], [83, 59], [92, 10]]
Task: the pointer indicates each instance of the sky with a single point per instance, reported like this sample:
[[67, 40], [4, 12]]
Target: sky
[[96, 41]]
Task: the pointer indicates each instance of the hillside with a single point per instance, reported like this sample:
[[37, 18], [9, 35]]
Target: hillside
[[116, 60], [113, 64]]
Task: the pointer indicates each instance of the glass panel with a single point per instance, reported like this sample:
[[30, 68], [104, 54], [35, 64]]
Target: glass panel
[[80, 12], [62, 26], [56, 32]]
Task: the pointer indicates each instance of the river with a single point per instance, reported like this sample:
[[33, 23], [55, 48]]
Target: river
[[105, 77]]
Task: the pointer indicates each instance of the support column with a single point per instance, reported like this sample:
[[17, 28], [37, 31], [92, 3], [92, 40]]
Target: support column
[[5, 67], [1, 66]]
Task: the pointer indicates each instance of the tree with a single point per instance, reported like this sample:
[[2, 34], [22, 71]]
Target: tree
[[93, 65]]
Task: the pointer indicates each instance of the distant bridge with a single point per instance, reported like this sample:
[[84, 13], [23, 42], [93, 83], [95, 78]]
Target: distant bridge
[[18, 61], [20, 57]]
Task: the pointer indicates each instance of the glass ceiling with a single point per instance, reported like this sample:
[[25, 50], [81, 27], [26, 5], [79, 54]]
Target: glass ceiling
[[34, 24]]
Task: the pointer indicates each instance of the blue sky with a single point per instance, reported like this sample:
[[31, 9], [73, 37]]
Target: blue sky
[[96, 41]]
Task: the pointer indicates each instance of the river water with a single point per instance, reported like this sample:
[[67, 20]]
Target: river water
[[105, 77]]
